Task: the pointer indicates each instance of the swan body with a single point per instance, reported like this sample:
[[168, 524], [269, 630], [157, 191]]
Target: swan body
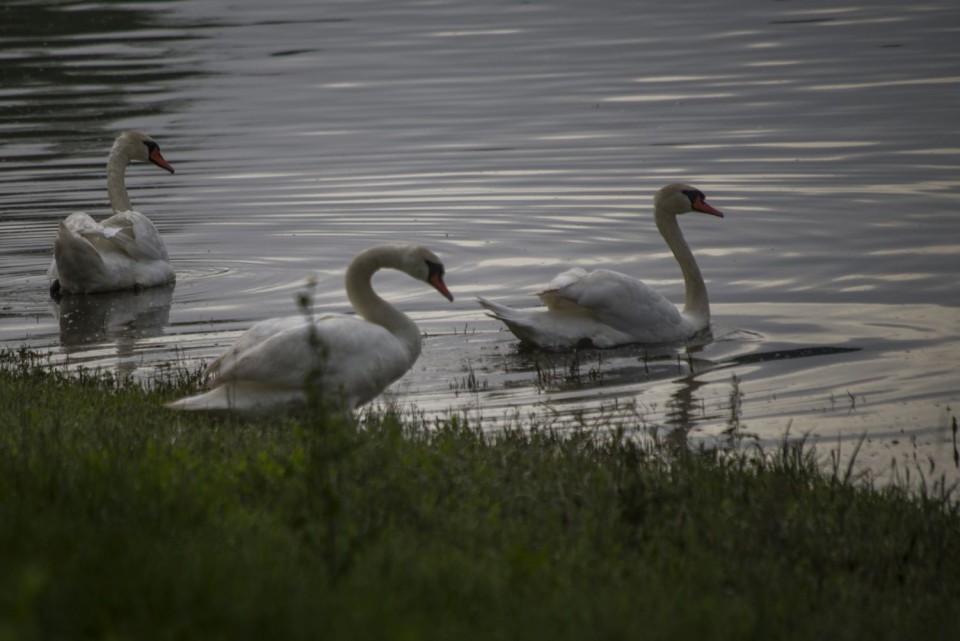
[[349, 360], [605, 308], [124, 251]]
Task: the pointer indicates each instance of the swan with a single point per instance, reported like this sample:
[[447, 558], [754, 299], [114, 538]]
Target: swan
[[124, 251], [349, 359], [606, 308]]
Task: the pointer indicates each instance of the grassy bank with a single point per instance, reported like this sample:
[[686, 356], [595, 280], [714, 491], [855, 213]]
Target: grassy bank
[[120, 519]]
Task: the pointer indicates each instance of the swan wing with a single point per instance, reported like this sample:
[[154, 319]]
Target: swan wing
[[363, 358], [81, 224], [348, 355], [226, 365], [123, 252], [134, 234], [617, 301], [559, 328], [129, 233]]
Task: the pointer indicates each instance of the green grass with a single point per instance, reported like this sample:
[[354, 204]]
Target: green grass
[[122, 520]]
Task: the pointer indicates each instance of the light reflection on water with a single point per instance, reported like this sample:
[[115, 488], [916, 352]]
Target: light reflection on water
[[517, 143]]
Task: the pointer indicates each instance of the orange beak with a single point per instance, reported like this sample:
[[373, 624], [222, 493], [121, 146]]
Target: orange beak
[[159, 160], [437, 281], [701, 205]]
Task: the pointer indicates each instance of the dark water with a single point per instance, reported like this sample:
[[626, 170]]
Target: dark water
[[516, 139]]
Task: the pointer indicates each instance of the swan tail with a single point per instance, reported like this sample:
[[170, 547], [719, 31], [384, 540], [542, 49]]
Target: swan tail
[[76, 259], [498, 311], [518, 322], [555, 329], [241, 395]]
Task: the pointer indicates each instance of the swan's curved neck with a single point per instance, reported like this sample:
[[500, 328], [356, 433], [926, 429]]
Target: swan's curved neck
[[697, 303], [116, 183], [373, 308]]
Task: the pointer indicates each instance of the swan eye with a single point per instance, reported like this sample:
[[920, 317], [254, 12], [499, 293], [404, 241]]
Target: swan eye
[[435, 269], [151, 146], [694, 195]]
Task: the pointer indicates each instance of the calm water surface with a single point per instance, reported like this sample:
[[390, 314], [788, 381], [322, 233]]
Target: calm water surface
[[517, 139]]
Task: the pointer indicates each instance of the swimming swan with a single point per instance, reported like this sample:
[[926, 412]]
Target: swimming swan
[[124, 251], [349, 359], [606, 308]]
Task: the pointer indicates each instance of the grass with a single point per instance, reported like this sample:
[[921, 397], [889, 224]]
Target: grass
[[122, 520]]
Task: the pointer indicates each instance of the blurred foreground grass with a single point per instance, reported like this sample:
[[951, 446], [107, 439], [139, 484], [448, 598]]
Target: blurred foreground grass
[[120, 519]]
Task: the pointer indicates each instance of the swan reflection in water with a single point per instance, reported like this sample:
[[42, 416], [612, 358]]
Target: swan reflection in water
[[622, 377], [123, 318]]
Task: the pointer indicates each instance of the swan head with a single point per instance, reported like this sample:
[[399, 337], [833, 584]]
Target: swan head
[[423, 264], [134, 145], [679, 199]]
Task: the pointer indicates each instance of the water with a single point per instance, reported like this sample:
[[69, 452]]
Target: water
[[517, 139]]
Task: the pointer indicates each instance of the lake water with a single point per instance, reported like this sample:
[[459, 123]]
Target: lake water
[[516, 139]]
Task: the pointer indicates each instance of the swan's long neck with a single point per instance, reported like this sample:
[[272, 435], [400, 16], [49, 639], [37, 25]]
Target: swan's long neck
[[373, 308], [697, 303], [116, 182]]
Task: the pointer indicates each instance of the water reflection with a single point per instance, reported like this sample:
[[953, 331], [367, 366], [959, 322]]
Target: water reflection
[[123, 318], [83, 68], [615, 376], [684, 410], [513, 142]]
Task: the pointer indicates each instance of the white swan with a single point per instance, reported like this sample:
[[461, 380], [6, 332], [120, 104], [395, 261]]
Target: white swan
[[605, 308], [349, 359], [124, 251]]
